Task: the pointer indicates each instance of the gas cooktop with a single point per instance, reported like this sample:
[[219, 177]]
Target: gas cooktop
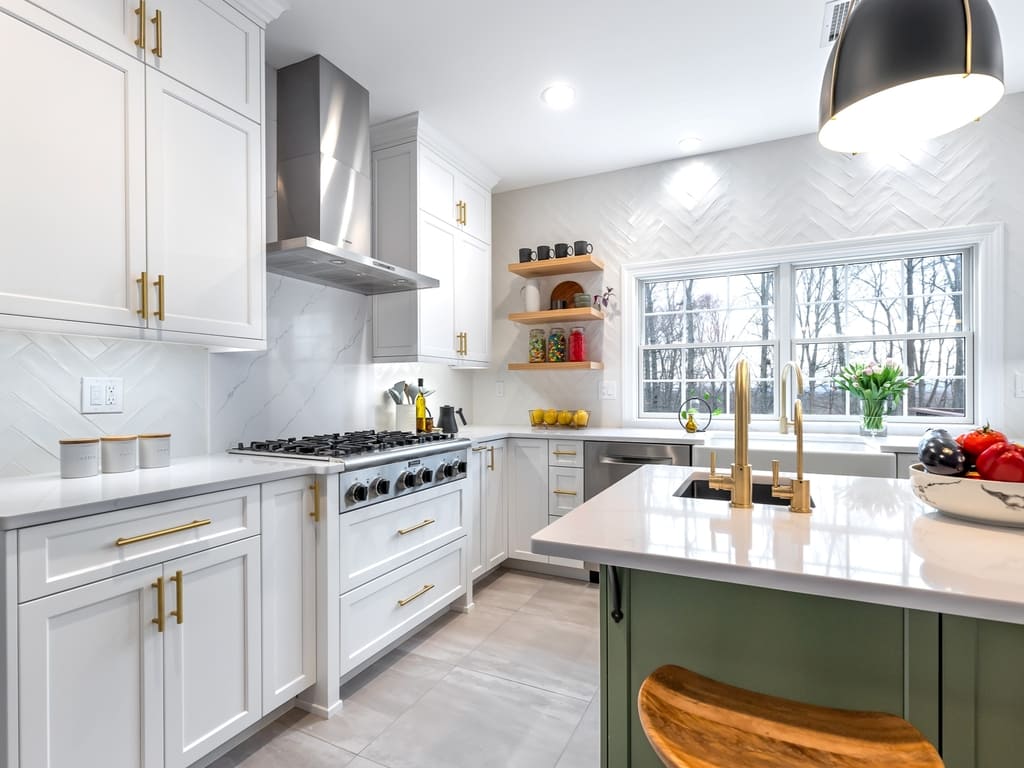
[[365, 448]]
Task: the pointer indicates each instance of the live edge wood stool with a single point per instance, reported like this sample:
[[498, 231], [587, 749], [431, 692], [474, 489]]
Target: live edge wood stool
[[695, 722]]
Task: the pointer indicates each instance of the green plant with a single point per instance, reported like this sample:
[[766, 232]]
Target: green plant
[[875, 381]]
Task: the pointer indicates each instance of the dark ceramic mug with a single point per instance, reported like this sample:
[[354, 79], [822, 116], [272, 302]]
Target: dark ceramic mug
[[581, 247], [544, 252], [527, 254], [562, 250]]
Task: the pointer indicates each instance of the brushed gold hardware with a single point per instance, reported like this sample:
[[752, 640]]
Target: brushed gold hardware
[[158, 585], [490, 466], [411, 528], [160, 283], [969, 65], [465, 214], [564, 493], [465, 342], [179, 589], [798, 491], [563, 453], [140, 41], [143, 283], [420, 593], [165, 532], [784, 403], [480, 448], [740, 481], [315, 514], [158, 21]]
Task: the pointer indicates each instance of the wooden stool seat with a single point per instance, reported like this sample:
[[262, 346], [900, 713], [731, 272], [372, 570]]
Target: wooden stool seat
[[694, 722]]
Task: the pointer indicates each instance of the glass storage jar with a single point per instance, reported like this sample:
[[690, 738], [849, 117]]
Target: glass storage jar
[[577, 345], [538, 345], [556, 345]]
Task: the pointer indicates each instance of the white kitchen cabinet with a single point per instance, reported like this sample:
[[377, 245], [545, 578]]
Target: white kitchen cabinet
[[565, 489], [72, 207], [423, 190], [489, 539], [113, 21], [204, 203], [212, 661], [527, 495], [91, 663], [288, 573]]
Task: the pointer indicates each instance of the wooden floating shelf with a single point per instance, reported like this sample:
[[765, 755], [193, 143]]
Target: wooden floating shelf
[[546, 317], [588, 365], [565, 266]]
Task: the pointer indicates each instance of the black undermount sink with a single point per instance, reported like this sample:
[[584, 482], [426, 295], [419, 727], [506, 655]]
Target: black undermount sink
[[701, 489]]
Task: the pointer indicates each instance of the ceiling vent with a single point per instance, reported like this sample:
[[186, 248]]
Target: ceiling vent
[[836, 12]]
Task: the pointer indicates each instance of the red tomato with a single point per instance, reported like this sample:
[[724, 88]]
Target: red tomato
[[1002, 461], [974, 443]]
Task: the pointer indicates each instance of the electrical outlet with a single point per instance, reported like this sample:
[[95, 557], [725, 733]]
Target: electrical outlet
[[499, 389], [102, 395], [609, 391]]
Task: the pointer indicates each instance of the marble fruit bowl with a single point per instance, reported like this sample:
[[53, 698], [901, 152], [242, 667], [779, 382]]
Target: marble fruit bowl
[[988, 501]]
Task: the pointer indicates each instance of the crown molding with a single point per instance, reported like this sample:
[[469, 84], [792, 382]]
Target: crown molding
[[262, 11]]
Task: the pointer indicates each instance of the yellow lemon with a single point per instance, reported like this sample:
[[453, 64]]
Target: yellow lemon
[[537, 416], [550, 416], [565, 418], [581, 418]]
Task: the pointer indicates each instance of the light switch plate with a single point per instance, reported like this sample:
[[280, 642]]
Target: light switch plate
[[102, 395], [609, 391], [499, 389]]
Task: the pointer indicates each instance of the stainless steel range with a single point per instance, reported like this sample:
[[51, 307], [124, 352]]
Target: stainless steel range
[[376, 466]]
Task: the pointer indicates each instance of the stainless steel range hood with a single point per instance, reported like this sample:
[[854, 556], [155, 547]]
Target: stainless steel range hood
[[324, 218]]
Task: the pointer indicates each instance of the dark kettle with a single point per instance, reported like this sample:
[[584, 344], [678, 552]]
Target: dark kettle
[[447, 421]]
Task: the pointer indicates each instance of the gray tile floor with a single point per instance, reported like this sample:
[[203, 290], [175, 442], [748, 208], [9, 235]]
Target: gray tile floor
[[513, 683]]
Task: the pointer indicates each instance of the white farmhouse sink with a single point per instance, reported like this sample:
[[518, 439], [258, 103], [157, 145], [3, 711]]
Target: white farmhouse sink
[[823, 454]]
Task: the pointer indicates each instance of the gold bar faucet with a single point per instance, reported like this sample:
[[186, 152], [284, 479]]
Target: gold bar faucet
[[797, 491], [784, 403], [740, 483]]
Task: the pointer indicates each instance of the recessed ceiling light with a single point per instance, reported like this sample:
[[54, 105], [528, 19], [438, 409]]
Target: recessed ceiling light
[[690, 143], [558, 95]]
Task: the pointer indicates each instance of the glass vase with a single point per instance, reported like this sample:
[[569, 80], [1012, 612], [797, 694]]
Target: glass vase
[[873, 416]]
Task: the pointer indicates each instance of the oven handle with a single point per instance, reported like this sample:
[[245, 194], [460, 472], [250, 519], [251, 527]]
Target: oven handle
[[631, 462]]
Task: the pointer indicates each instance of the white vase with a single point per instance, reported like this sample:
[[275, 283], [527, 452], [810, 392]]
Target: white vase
[[531, 296]]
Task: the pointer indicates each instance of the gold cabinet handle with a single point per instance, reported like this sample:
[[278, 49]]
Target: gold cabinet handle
[[465, 343], [179, 588], [563, 453], [410, 598], [143, 283], [315, 514], [564, 493], [411, 528], [160, 283], [491, 465], [480, 448], [158, 585], [158, 21], [465, 214], [140, 41], [165, 532]]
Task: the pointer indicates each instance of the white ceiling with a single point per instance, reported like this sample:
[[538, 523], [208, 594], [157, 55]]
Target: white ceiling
[[646, 72]]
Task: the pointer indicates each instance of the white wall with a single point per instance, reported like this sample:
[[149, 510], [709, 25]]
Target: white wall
[[779, 193]]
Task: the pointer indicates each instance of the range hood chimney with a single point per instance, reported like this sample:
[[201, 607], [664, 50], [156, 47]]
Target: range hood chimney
[[324, 218]]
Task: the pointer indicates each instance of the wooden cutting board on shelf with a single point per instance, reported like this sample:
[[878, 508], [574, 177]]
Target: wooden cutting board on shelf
[[565, 291]]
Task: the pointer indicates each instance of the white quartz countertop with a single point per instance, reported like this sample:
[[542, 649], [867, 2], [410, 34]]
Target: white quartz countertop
[[37, 499], [867, 539]]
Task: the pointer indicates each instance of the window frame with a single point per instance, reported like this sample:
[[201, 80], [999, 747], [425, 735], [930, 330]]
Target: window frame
[[983, 297]]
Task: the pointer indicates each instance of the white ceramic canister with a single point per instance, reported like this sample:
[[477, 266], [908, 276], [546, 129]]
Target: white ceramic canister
[[119, 452], [80, 457], [531, 296], [405, 417], [154, 451]]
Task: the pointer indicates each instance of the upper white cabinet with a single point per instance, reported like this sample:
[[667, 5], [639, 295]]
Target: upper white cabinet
[[431, 214], [133, 196]]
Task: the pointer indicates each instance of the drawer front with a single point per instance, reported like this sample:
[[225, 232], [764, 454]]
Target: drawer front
[[564, 561], [385, 536], [58, 556], [377, 613], [565, 453], [565, 489]]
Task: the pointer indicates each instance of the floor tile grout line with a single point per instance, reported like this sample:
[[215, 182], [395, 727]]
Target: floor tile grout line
[[525, 684], [574, 730]]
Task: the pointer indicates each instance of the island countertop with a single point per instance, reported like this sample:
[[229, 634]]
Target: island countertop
[[868, 539]]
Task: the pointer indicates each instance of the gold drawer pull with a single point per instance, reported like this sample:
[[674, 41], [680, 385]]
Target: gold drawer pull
[[564, 493], [563, 453], [491, 465], [158, 21], [165, 532], [158, 585], [161, 284], [140, 41], [480, 448], [411, 528], [179, 584], [143, 311], [315, 514], [410, 598]]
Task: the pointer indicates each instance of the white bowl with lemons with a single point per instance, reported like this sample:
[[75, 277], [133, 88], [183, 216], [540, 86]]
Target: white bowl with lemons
[[554, 418]]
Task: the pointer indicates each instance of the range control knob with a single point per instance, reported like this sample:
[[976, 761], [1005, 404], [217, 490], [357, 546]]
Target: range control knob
[[462, 467], [439, 474], [405, 481], [359, 492], [380, 486], [449, 469], [420, 477], [428, 475]]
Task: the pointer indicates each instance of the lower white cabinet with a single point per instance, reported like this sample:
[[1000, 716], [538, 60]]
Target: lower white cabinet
[[488, 545], [565, 493], [527, 495], [288, 568]]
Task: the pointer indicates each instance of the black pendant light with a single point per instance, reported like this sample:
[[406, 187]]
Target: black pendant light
[[909, 70]]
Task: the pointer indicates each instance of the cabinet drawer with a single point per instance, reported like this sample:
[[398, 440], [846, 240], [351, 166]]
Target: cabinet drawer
[[565, 489], [382, 537], [379, 612], [565, 453], [58, 556]]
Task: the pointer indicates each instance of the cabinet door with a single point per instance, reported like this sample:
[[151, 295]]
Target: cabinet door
[[208, 45], [288, 568], [72, 150], [528, 496], [204, 185], [478, 208], [90, 662], [437, 258], [113, 21], [565, 486], [437, 187], [494, 506], [211, 649], [477, 527], [473, 306]]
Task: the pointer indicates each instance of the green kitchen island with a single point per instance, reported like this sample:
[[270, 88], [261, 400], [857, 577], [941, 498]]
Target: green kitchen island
[[874, 601]]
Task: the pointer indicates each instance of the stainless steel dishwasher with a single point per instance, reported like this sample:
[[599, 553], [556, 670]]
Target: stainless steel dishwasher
[[607, 463]]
